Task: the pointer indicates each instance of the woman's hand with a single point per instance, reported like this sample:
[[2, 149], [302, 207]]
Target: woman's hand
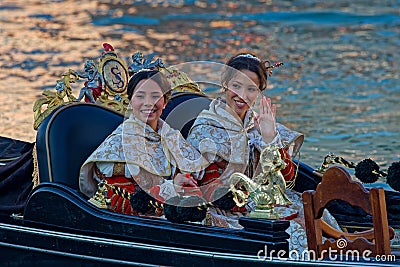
[[265, 121], [184, 180]]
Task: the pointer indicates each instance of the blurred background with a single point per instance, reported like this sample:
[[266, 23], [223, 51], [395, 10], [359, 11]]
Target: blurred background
[[339, 85]]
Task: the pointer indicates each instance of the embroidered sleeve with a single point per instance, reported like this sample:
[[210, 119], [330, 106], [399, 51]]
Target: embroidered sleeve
[[288, 172], [259, 144], [199, 175], [210, 182]]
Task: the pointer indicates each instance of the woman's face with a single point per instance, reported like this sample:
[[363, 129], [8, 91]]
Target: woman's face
[[148, 102], [242, 91]]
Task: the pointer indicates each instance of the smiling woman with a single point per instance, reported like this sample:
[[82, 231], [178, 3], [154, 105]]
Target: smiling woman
[[148, 92], [242, 92], [231, 136], [143, 156]]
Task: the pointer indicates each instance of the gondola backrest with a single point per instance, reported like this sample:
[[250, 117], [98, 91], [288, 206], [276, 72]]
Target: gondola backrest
[[337, 183], [67, 138], [183, 109]]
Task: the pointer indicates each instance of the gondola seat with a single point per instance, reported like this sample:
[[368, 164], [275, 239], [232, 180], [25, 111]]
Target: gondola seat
[[67, 138], [183, 109], [337, 184]]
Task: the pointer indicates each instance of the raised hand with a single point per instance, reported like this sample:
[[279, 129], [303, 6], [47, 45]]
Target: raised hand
[[265, 121]]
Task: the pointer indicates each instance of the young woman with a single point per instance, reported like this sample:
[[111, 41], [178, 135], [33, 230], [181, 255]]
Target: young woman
[[231, 136], [143, 154]]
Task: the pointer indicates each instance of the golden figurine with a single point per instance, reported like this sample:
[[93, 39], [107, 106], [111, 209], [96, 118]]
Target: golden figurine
[[267, 189]]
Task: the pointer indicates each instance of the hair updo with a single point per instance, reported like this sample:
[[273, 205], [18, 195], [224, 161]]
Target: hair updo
[[245, 61], [154, 75]]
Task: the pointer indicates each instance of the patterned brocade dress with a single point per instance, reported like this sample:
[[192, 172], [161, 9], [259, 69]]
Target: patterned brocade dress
[[135, 157], [234, 146]]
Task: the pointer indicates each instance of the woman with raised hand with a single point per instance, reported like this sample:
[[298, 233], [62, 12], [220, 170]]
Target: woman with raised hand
[[143, 155], [231, 135]]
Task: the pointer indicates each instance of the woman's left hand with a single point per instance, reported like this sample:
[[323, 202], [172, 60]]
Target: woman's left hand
[[265, 121], [184, 180]]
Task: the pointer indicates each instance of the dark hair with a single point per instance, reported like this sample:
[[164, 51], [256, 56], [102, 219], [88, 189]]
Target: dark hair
[[156, 76], [245, 61]]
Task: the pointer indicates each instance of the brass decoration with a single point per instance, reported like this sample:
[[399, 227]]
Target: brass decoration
[[208, 219], [114, 72], [54, 99], [115, 76], [142, 62], [267, 189], [119, 103], [331, 159], [180, 81], [100, 199], [35, 173], [106, 83]]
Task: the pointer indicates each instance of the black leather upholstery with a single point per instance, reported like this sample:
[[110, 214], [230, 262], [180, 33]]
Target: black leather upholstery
[[68, 137], [182, 110], [70, 134]]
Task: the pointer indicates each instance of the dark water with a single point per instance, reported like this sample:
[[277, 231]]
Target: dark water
[[340, 82]]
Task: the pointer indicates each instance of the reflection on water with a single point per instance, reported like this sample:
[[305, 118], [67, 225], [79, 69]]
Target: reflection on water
[[340, 84]]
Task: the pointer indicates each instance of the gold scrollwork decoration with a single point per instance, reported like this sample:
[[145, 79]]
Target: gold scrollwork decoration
[[117, 105], [180, 81], [106, 82], [53, 100]]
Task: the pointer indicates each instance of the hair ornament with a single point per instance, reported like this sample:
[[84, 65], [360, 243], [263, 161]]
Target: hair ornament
[[270, 67], [248, 56]]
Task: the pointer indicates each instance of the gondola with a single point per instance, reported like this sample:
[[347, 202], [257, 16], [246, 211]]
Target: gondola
[[56, 224], [46, 220]]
